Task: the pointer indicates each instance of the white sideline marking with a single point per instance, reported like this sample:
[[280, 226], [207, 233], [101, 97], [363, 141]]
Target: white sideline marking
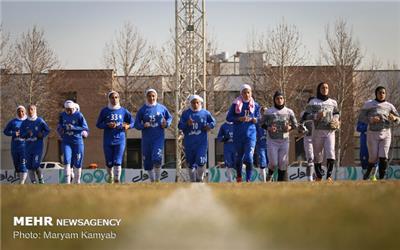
[[190, 219]]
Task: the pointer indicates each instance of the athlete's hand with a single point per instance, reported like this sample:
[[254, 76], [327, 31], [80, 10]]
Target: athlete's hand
[[207, 128], [272, 129], [335, 124], [245, 119], [126, 126], [190, 122], [392, 117], [40, 135], [287, 128], [17, 133], [30, 133], [112, 125], [254, 120], [163, 123], [375, 119], [146, 124], [320, 115]]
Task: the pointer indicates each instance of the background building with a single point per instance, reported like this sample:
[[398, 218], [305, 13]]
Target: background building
[[89, 89]]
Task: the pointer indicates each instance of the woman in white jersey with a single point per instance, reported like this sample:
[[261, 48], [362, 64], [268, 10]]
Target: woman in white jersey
[[324, 113], [379, 115], [278, 121]]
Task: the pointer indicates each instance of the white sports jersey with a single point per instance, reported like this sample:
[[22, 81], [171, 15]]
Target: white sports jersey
[[373, 108], [279, 118], [328, 107]]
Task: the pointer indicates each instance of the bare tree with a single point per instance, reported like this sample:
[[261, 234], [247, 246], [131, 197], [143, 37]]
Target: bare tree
[[216, 84], [27, 81], [5, 50], [129, 55], [343, 52], [284, 54], [392, 80]]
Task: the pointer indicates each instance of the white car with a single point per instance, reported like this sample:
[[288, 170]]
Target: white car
[[51, 165]]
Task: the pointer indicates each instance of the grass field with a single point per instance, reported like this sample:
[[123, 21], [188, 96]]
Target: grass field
[[342, 215]]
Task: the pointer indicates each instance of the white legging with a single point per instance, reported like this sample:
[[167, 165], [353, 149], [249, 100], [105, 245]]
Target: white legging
[[323, 145]]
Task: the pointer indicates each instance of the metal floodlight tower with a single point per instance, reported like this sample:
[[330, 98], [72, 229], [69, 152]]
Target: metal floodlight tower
[[190, 62]]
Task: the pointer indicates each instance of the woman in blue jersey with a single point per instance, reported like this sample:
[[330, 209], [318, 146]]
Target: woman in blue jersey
[[13, 129], [261, 147], [152, 119], [115, 120], [244, 113], [225, 135], [195, 122], [34, 129], [71, 128]]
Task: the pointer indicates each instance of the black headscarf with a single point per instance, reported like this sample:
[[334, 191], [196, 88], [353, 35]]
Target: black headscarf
[[278, 93], [319, 95], [376, 93]]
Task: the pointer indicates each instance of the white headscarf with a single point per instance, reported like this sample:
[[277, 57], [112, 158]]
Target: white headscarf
[[193, 97], [23, 108], [148, 91], [243, 87], [110, 106], [68, 104], [34, 116], [196, 97]]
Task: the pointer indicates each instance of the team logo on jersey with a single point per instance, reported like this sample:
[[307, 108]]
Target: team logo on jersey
[[159, 153]]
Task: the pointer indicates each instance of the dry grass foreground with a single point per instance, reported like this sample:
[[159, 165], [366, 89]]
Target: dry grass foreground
[[343, 215]]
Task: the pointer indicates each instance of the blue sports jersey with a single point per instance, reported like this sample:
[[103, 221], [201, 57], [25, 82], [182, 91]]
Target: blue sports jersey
[[17, 142], [34, 132], [30, 130], [244, 136], [225, 135], [153, 115], [195, 134], [70, 127], [362, 128], [114, 136], [153, 136], [195, 140], [261, 137], [261, 147], [243, 130]]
